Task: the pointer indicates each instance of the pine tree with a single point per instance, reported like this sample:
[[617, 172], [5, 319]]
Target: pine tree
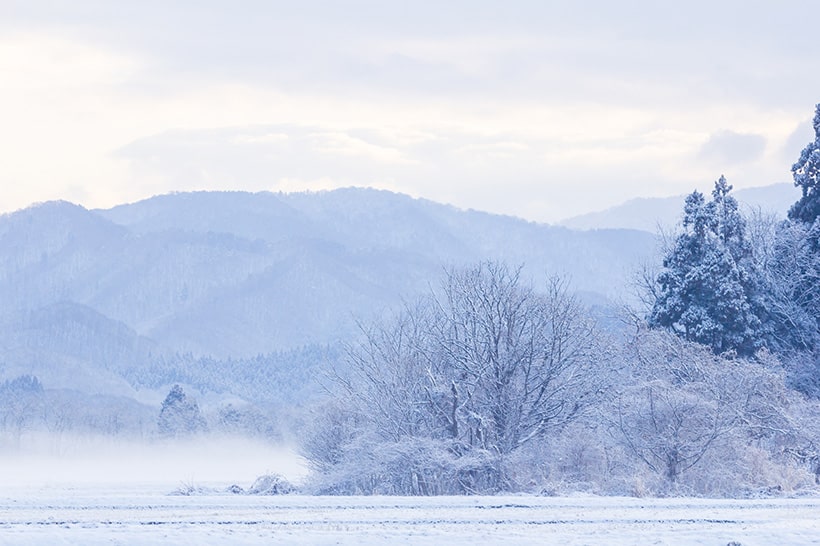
[[707, 290], [794, 272], [180, 414], [807, 210], [806, 173]]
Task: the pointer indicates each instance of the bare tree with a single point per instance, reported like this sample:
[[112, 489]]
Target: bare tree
[[483, 366], [667, 427], [789, 279], [390, 375], [518, 361], [21, 400], [683, 402]]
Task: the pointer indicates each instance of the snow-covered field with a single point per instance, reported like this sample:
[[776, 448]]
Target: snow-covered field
[[120, 494], [140, 515]]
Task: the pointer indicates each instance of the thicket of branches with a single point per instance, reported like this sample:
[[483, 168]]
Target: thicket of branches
[[738, 284], [490, 384], [440, 397]]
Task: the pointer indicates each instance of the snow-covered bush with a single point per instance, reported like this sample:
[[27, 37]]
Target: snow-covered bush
[[704, 423], [271, 484]]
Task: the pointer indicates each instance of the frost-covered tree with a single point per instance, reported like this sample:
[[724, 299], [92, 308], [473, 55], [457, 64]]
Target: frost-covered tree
[[791, 275], [798, 261], [180, 414], [787, 256], [806, 173], [446, 391], [686, 408], [21, 404], [707, 290], [513, 356]]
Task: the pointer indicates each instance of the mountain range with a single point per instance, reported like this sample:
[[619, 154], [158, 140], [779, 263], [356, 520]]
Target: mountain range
[[663, 213], [111, 300]]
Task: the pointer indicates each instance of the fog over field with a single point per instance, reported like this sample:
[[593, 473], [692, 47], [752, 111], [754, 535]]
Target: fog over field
[[159, 467]]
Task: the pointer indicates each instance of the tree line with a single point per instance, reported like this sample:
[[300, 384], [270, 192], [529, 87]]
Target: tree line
[[491, 383], [739, 285]]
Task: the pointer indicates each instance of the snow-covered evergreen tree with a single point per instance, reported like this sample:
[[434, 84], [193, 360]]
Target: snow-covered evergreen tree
[[707, 290], [806, 211], [792, 275], [180, 414], [806, 172]]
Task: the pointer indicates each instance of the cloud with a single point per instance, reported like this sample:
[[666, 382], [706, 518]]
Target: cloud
[[342, 144], [729, 148], [37, 62], [494, 151], [802, 135], [263, 157], [264, 139], [505, 110], [510, 173]]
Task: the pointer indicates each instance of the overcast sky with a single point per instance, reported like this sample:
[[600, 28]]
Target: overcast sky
[[538, 109]]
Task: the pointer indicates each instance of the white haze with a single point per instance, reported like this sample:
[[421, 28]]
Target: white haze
[[100, 463]]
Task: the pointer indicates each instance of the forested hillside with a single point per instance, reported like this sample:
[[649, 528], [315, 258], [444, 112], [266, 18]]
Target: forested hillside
[[246, 298]]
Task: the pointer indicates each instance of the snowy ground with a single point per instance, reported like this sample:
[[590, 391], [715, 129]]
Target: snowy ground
[[119, 494], [138, 515]]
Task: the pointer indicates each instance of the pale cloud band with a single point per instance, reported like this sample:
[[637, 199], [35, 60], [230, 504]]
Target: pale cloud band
[[540, 110]]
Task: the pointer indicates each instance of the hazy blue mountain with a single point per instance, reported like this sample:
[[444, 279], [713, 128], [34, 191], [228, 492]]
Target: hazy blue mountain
[[69, 345], [102, 298], [648, 214], [239, 274]]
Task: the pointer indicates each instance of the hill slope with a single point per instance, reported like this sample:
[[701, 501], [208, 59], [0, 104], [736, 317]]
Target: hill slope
[[650, 214], [234, 275]]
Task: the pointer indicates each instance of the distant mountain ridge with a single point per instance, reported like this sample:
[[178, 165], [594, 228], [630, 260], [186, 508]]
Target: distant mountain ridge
[[650, 214], [233, 275]]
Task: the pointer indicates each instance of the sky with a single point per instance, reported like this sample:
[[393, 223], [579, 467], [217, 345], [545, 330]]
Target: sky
[[537, 109]]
